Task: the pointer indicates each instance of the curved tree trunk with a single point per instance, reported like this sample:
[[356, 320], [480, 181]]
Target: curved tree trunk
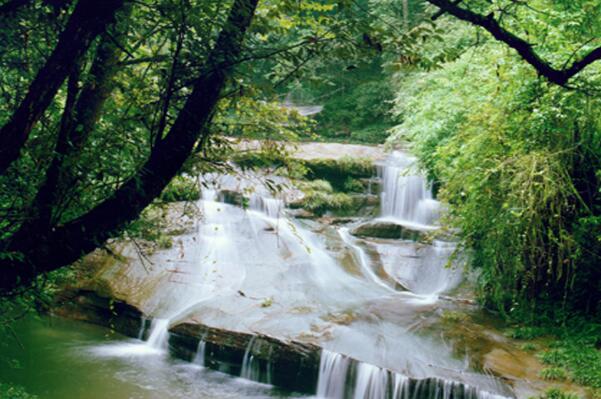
[[89, 19]]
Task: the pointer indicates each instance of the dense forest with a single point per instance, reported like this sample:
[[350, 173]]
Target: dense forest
[[114, 110]]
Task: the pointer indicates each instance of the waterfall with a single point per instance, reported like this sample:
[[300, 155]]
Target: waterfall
[[333, 368], [372, 382], [363, 259], [142, 329], [159, 334], [272, 207], [341, 377], [400, 389], [250, 366], [406, 194], [253, 368], [199, 358]]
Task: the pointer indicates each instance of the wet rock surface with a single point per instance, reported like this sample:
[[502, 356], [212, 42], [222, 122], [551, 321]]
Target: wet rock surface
[[260, 281], [390, 230]]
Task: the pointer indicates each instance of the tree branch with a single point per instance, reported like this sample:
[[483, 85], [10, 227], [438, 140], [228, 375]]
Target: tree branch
[[524, 49], [89, 19]]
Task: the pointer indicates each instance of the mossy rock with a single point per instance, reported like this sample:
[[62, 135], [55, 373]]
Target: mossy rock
[[338, 171], [382, 229], [233, 197]]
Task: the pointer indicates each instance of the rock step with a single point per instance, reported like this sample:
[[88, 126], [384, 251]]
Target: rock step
[[288, 364]]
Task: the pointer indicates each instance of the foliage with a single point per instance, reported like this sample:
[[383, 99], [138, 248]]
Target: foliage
[[353, 185], [338, 171], [9, 391], [553, 373], [516, 160], [181, 188], [555, 393], [118, 123], [355, 98], [321, 202]]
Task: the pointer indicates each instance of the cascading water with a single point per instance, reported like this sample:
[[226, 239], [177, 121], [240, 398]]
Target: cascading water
[[272, 207], [199, 358], [343, 378], [372, 382], [333, 368], [250, 367], [257, 270], [406, 195], [159, 334], [362, 258]]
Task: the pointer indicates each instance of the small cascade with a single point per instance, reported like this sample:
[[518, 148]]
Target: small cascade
[[142, 329], [406, 194], [362, 258], [272, 207], [333, 369], [159, 334], [252, 368], [371, 382], [400, 388], [199, 358], [341, 377]]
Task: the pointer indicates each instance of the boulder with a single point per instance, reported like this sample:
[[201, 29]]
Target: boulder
[[387, 229]]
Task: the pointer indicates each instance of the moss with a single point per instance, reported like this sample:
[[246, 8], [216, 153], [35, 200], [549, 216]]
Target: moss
[[449, 316], [165, 242], [529, 347], [320, 202], [553, 373], [282, 162], [9, 391], [352, 185], [525, 332], [555, 393], [181, 189], [338, 171], [314, 185]]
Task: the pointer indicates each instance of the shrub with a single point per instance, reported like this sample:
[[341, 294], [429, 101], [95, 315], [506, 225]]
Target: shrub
[[181, 189]]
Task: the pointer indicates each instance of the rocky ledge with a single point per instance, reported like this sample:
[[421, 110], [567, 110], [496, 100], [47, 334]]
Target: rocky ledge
[[288, 364]]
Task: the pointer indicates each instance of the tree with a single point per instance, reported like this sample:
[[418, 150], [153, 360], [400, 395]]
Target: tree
[[39, 247], [151, 89], [89, 19]]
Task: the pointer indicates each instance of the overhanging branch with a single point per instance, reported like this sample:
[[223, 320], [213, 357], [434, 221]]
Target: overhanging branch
[[524, 49]]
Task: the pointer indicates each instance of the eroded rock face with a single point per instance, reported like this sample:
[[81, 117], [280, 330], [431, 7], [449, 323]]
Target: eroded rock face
[[386, 229], [91, 307], [288, 364]]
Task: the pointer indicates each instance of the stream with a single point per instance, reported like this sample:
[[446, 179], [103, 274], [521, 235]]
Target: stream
[[372, 305]]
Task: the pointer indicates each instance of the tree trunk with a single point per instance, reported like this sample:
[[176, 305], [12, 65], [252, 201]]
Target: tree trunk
[[77, 125], [89, 19]]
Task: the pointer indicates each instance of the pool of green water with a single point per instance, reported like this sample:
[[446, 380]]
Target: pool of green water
[[63, 359]]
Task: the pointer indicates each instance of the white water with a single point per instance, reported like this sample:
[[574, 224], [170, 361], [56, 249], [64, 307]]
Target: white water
[[199, 358], [333, 368], [159, 334], [258, 270], [406, 195], [362, 258], [272, 207], [250, 366], [371, 382]]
